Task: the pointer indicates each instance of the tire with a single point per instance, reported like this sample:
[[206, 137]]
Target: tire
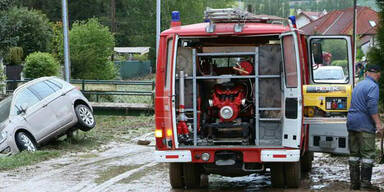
[[85, 119], [292, 174], [25, 142], [192, 174], [306, 162], [176, 175], [277, 175]]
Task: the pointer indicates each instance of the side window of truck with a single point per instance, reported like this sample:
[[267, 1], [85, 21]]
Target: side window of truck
[[329, 60], [168, 67], [290, 63]]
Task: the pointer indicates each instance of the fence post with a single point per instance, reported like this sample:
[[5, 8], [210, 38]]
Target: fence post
[[83, 85]]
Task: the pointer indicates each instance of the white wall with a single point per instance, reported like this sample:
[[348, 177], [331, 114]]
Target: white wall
[[301, 21]]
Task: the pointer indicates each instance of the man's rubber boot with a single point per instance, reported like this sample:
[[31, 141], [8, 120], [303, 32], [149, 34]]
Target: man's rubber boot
[[354, 171], [366, 174]]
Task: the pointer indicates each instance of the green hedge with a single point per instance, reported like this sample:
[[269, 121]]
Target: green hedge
[[40, 64]]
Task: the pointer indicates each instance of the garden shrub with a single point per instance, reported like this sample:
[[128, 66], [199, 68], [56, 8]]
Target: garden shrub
[[40, 64]]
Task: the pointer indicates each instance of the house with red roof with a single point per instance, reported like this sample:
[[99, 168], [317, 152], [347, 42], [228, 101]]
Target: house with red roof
[[305, 17], [341, 22]]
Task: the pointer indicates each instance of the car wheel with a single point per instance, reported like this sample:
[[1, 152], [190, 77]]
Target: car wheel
[[85, 118], [25, 142]]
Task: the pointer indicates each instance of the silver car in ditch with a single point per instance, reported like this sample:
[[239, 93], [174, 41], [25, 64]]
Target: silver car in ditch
[[41, 110]]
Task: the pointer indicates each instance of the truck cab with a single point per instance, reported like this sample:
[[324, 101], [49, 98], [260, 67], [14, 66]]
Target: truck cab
[[241, 94]]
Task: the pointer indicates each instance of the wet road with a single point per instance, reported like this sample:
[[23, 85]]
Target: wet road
[[123, 167]]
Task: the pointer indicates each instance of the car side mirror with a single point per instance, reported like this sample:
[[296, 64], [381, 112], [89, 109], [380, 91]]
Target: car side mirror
[[317, 52], [23, 108]]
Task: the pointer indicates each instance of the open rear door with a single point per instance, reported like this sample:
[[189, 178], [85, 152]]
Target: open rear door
[[292, 97], [332, 54]]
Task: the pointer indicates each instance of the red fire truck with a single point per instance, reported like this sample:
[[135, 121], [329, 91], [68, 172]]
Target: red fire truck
[[243, 93]]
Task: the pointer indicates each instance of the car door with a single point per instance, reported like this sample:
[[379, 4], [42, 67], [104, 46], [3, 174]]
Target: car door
[[43, 120], [36, 116], [61, 104]]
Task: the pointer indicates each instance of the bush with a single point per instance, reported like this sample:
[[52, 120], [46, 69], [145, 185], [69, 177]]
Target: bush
[[40, 64], [15, 56], [91, 49]]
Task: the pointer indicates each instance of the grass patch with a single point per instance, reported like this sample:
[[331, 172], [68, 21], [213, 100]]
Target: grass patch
[[26, 158], [108, 128]]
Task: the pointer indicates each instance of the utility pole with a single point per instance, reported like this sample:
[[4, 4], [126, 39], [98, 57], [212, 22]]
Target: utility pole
[[354, 30], [67, 62], [158, 14]]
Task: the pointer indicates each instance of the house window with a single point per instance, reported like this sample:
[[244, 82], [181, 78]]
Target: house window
[[372, 23]]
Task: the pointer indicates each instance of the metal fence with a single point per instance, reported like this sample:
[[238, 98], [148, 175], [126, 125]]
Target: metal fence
[[86, 86]]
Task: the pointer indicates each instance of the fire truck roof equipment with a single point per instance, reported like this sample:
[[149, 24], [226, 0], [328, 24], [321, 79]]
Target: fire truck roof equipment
[[235, 15]]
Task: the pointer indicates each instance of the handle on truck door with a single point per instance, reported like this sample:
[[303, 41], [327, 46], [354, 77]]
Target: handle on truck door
[[291, 108]]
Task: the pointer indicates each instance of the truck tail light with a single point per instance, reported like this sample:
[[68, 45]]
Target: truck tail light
[[158, 133], [279, 156], [169, 132]]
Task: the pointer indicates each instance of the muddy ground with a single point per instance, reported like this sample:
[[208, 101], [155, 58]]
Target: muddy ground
[[119, 167]]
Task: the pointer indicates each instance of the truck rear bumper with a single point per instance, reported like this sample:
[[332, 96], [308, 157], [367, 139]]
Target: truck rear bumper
[[173, 156], [280, 155], [266, 155]]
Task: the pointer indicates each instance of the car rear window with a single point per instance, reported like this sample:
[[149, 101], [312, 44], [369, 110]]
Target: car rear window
[[56, 82], [42, 89], [53, 85]]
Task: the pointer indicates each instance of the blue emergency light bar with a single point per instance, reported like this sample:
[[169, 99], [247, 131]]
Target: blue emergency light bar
[[293, 19], [175, 16]]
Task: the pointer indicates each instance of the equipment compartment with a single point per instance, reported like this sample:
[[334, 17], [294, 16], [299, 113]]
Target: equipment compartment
[[228, 93]]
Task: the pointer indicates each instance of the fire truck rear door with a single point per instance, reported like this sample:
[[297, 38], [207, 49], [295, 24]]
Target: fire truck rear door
[[292, 96]]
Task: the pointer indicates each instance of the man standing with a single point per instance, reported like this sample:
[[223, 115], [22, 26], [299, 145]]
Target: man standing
[[363, 122]]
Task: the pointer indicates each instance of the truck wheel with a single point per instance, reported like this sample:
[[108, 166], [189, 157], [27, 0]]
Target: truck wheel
[[192, 174], [277, 175], [292, 174], [176, 175], [306, 162]]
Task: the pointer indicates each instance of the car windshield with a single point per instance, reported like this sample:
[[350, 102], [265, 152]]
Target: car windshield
[[5, 107], [328, 74]]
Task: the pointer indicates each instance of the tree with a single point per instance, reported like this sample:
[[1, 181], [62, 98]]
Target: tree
[[376, 54], [134, 19], [277, 7], [6, 29], [34, 32], [91, 46], [6, 4]]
